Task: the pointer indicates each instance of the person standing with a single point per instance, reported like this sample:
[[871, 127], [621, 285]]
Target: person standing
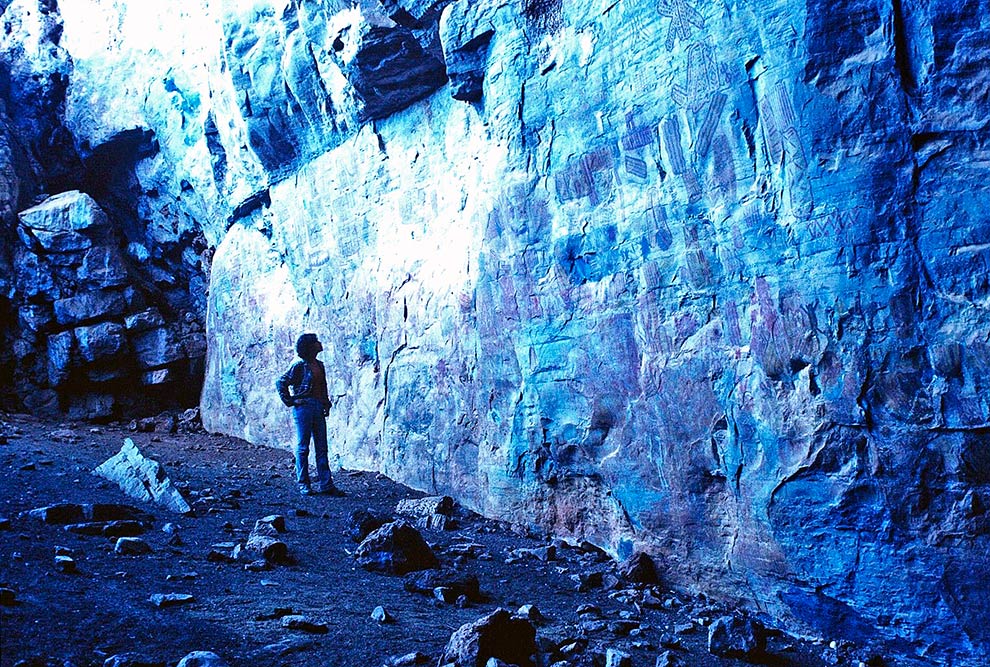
[[304, 388]]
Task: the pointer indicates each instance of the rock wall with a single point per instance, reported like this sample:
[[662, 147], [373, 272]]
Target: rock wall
[[703, 279]]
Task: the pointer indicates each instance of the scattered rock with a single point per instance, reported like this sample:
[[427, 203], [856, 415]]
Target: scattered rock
[[381, 616], [278, 612], [8, 597], [65, 564], [455, 583], [109, 528], [588, 581], [617, 658], [425, 507], [666, 659], [131, 546], [497, 635], [201, 659], [530, 613], [132, 660], [142, 478], [361, 523], [395, 548], [303, 624], [544, 554], [283, 648], [468, 550], [276, 522], [640, 569], [163, 600], [589, 610], [409, 660], [436, 522], [271, 549], [737, 637], [4, 523]]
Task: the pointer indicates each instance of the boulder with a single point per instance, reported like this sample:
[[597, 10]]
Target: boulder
[[157, 347], [395, 548], [453, 584], [639, 569], [68, 211], [737, 637], [425, 507], [202, 659], [93, 305], [142, 478], [145, 320], [497, 635], [102, 267], [362, 522], [101, 341], [59, 357], [163, 600], [131, 546]]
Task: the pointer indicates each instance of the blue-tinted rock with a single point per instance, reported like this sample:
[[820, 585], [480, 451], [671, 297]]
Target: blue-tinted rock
[[156, 348], [102, 267], [93, 305], [71, 211], [388, 68], [466, 33], [144, 320], [100, 341], [59, 357]]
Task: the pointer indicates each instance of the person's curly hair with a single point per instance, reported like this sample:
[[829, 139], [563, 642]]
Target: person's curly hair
[[305, 345]]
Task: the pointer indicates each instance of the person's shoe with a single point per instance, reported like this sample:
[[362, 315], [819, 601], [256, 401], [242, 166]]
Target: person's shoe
[[305, 490]]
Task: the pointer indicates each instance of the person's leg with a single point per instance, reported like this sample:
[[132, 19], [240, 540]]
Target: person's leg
[[324, 478], [304, 431]]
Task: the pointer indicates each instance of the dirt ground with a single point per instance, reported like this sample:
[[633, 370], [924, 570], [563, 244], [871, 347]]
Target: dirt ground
[[103, 609]]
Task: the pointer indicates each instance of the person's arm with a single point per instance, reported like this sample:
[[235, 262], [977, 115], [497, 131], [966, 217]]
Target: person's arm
[[282, 385]]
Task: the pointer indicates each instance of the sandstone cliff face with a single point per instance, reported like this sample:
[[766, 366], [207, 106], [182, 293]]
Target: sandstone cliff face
[[703, 279]]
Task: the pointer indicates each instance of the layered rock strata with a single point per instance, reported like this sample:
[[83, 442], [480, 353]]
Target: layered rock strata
[[701, 280]]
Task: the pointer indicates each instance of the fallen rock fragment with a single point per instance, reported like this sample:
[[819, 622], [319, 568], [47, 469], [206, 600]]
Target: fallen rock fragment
[[617, 658], [395, 548], [282, 648], [163, 600], [497, 635], [640, 569], [425, 507], [65, 564], [271, 549], [543, 554], [8, 597], [737, 637], [201, 659], [131, 546], [530, 613], [380, 615], [361, 523], [588, 581], [409, 660], [447, 581], [666, 659], [132, 660], [142, 478], [108, 528], [273, 522], [303, 624]]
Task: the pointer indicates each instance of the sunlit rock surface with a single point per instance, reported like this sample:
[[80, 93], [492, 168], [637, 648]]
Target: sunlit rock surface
[[707, 280]]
